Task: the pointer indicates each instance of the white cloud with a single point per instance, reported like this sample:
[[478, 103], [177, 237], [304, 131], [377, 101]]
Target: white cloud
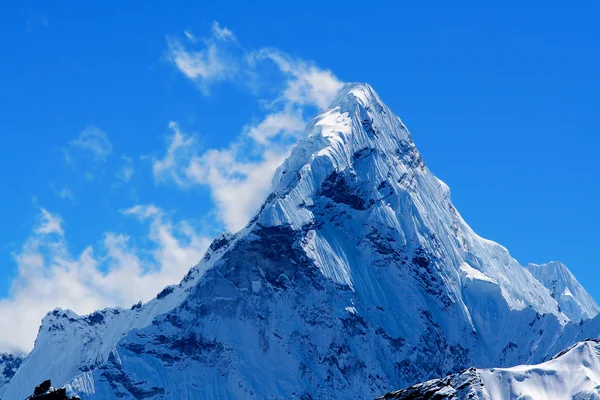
[[205, 65], [237, 188], [306, 84], [143, 211], [49, 223], [286, 122], [94, 141], [213, 63], [180, 149], [222, 33], [239, 174], [112, 273]]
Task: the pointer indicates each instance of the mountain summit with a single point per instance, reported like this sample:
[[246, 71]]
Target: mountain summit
[[357, 276]]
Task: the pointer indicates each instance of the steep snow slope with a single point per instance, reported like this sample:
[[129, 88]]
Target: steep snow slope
[[572, 298], [573, 374], [69, 344], [9, 364], [357, 276]]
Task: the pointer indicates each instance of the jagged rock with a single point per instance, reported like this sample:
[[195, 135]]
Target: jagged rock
[[45, 391], [42, 388]]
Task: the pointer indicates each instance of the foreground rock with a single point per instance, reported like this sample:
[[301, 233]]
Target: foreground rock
[[45, 391]]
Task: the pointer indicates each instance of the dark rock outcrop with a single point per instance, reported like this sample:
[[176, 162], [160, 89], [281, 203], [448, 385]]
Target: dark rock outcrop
[[45, 391]]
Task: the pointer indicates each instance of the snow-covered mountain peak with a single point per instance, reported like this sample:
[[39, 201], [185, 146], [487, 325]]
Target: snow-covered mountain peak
[[572, 298], [357, 120], [354, 95], [358, 167]]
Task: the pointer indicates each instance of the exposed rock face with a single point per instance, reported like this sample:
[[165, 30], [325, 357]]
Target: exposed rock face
[[45, 391], [465, 385], [356, 277]]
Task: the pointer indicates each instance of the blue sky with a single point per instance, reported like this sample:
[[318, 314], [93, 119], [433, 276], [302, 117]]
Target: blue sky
[[134, 133]]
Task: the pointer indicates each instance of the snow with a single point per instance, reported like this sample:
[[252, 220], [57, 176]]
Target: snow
[[473, 274], [572, 298], [357, 276], [573, 374], [69, 344], [9, 363]]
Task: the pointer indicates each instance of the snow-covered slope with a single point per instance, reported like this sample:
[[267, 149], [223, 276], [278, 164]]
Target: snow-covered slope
[[573, 374], [357, 276], [572, 298], [9, 364], [68, 344]]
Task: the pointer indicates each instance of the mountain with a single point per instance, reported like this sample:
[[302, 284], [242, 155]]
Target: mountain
[[572, 374], [357, 276], [572, 298]]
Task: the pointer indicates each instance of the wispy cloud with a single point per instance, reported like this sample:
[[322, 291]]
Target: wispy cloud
[[49, 223], [190, 36], [306, 84], [94, 142], [222, 33], [239, 174], [64, 193], [214, 62], [37, 21], [180, 149], [112, 273], [127, 169], [285, 122]]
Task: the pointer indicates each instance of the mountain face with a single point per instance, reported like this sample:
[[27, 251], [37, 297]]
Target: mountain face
[[68, 344], [572, 374], [9, 364], [572, 298], [356, 277]]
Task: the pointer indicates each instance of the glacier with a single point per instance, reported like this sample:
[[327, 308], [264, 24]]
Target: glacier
[[356, 277]]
